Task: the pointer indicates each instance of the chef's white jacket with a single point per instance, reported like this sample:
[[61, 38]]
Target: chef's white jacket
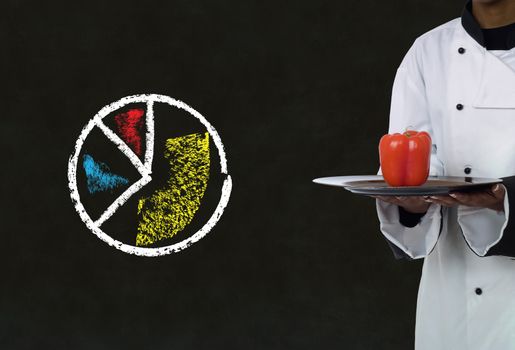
[[464, 96]]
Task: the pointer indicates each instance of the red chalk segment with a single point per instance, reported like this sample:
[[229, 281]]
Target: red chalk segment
[[129, 126]]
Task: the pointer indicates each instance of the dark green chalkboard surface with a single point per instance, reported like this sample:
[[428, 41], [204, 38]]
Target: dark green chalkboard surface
[[295, 89]]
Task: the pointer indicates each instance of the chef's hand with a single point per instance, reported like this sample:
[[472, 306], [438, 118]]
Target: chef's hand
[[492, 198], [412, 204]]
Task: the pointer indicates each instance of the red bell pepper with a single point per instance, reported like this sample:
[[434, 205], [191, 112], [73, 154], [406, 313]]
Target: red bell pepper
[[405, 158]]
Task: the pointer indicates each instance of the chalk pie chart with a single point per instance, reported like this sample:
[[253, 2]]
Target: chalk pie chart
[[148, 175]]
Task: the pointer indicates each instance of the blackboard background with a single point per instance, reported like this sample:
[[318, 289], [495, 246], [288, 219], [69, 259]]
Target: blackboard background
[[296, 90]]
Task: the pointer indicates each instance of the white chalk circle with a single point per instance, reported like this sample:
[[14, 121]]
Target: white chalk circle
[[145, 171]]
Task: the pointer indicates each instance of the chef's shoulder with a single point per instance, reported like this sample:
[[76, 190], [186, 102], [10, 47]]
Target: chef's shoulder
[[430, 45]]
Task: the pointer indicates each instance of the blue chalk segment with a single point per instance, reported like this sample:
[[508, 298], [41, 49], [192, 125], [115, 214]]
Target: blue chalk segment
[[99, 177]]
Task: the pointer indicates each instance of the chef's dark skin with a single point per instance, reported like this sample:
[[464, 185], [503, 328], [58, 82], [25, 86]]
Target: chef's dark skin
[[489, 14], [493, 13]]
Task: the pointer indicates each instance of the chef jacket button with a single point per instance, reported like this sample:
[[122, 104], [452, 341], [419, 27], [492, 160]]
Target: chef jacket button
[[479, 291], [461, 50], [459, 106], [467, 170]]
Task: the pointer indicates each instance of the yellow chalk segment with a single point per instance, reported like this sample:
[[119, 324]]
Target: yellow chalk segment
[[170, 209]]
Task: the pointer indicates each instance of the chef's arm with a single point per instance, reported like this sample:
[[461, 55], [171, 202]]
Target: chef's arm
[[407, 241], [489, 232], [407, 219], [409, 108], [506, 245], [410, 235]]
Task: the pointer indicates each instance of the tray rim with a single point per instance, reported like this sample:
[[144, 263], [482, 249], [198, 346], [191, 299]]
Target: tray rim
[[406, 190]]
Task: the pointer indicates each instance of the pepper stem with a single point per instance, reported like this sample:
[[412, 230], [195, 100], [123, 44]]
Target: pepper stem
[[406, 133]]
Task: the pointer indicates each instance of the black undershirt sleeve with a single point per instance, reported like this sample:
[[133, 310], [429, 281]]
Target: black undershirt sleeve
[[409, 219]]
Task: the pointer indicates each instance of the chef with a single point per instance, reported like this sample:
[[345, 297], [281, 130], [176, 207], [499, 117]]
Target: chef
[[457, 82]]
